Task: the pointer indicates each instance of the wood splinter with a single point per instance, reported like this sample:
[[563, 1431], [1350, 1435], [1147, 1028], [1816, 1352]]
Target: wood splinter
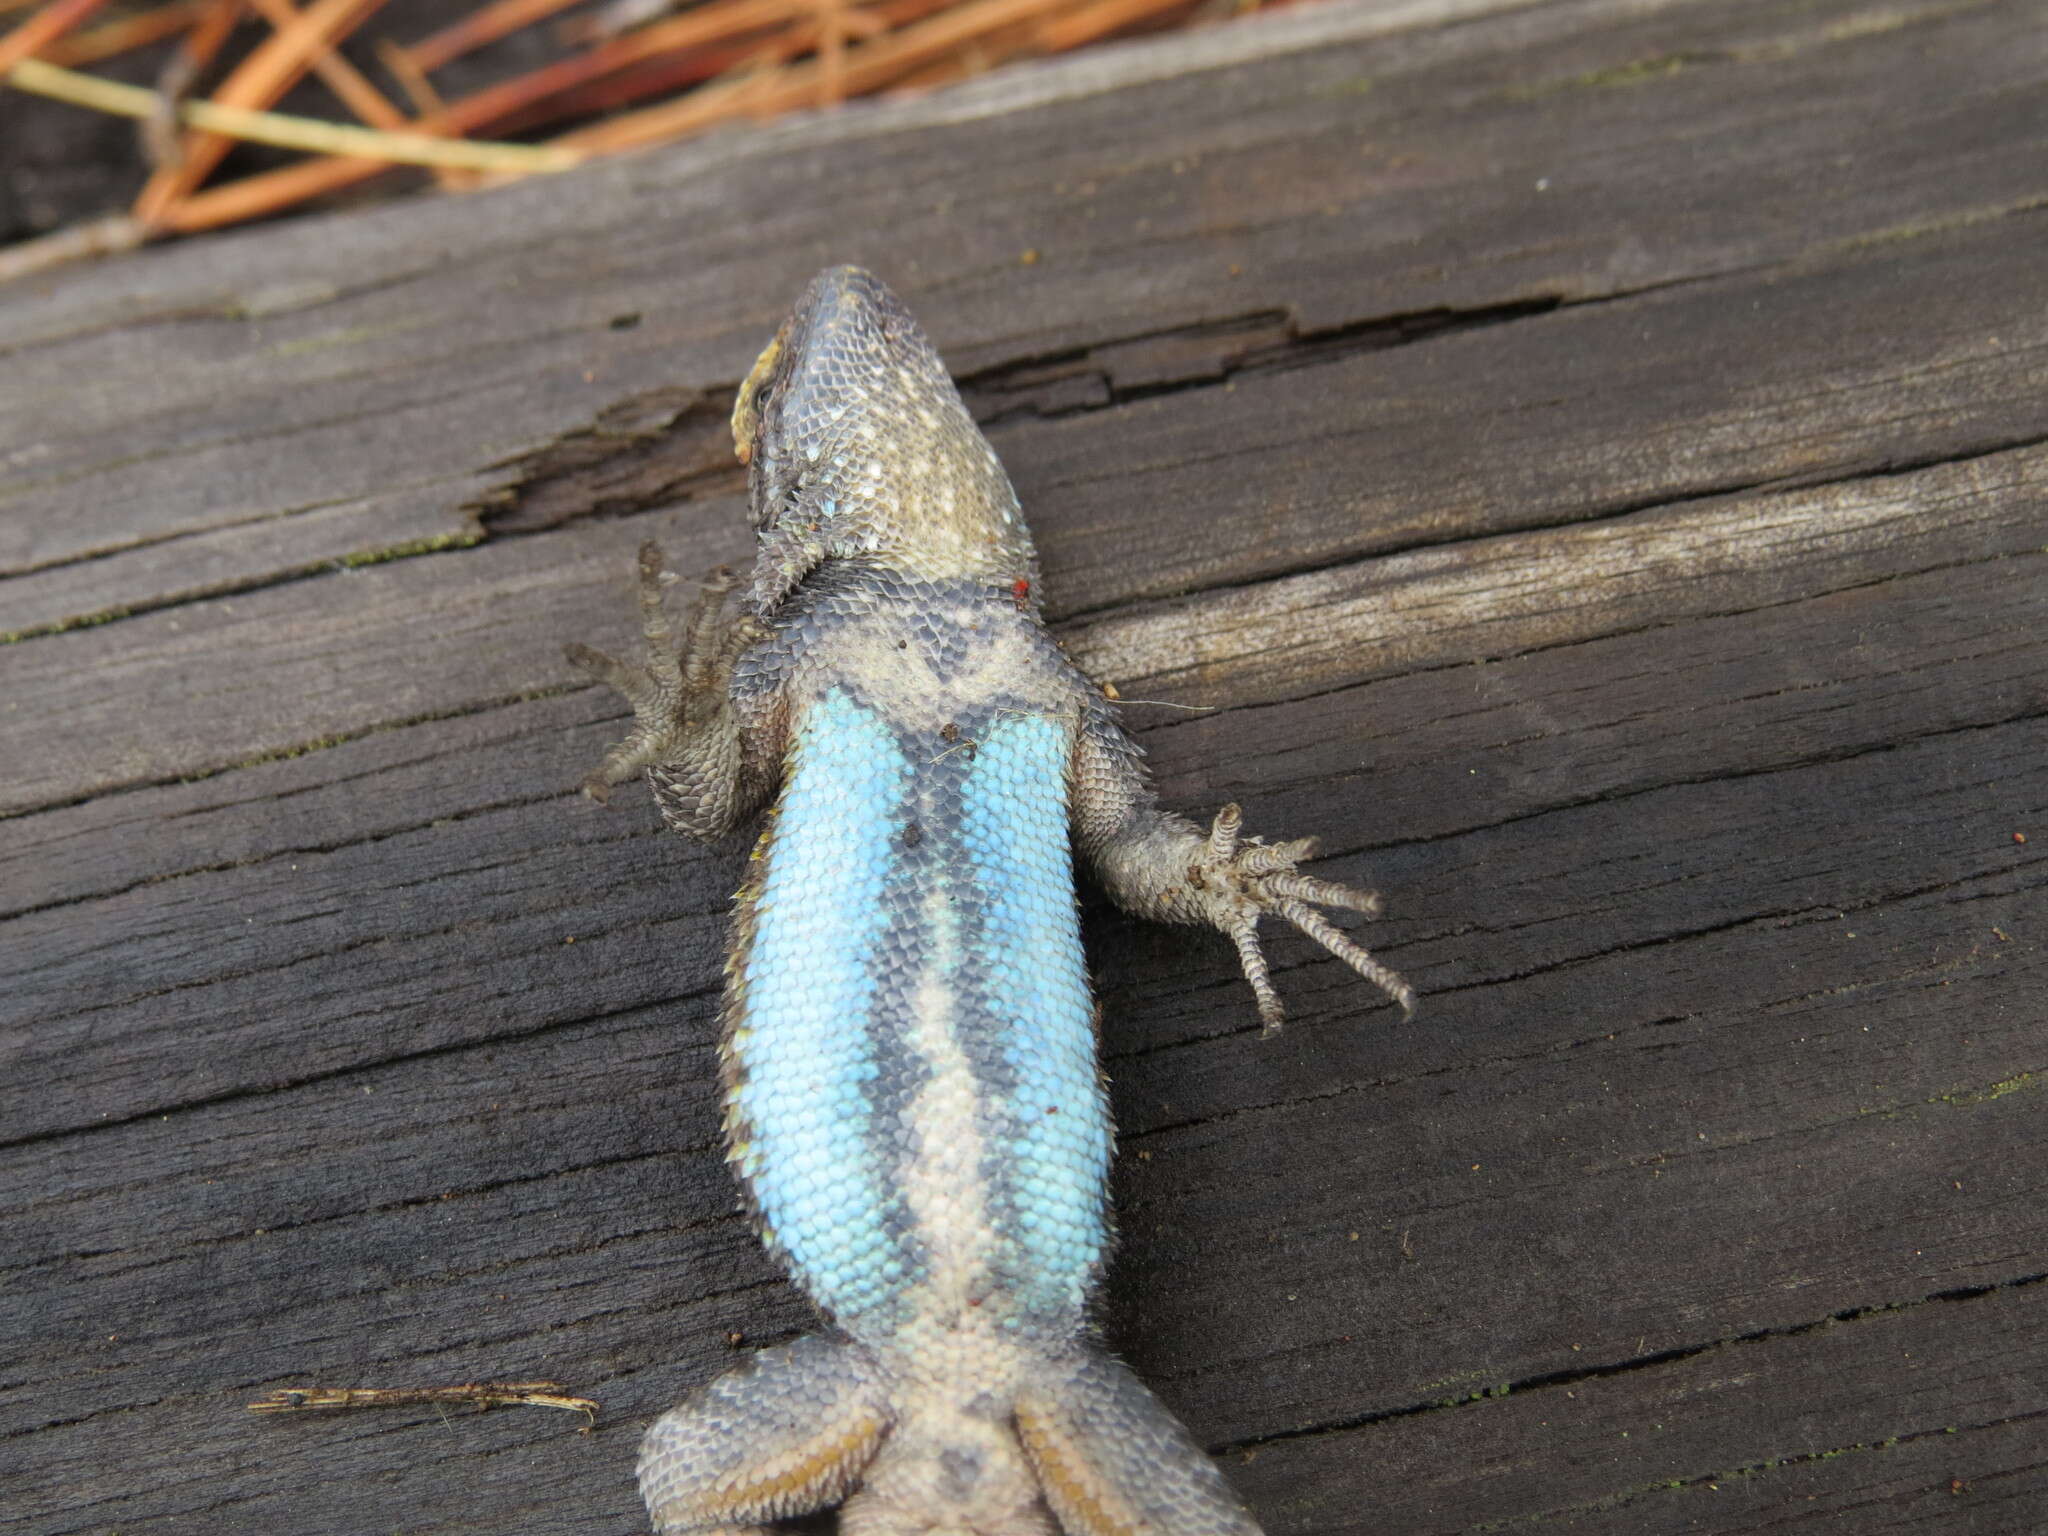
[[485, 1394]]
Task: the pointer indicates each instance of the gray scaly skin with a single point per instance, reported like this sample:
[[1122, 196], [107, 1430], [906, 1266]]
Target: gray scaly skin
[[913, 1102]]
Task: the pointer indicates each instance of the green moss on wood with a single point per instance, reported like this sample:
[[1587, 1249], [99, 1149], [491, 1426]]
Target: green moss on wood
[[433, 544]]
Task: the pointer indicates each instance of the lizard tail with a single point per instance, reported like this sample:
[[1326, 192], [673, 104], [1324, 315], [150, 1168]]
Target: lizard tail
[[1112, 1462]]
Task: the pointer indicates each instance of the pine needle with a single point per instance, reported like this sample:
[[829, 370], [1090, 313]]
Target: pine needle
[[291, 132]]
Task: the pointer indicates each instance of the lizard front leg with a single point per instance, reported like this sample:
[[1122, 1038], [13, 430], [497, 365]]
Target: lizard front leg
[[1160, 865], [707, 775]]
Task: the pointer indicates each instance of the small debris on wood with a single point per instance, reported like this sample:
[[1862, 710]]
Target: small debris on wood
[[482, 1394]]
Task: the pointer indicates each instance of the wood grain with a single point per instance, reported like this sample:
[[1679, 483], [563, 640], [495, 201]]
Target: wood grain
[[384, 370], [1639, 577]]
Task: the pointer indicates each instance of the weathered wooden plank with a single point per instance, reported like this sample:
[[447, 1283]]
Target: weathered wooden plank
[[368, 787], [367, 1217], [435, 345], [1481, 599], [1296, 637], [1673, 662], [1558, 418], [1663, 1042], [146, 1018], [1923, 1419], [365, 1200], [1592, 412]]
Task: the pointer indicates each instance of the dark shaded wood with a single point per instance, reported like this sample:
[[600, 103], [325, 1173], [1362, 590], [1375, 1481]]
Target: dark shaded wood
[[1675, 1445], [1374, 176], [1640, 580]]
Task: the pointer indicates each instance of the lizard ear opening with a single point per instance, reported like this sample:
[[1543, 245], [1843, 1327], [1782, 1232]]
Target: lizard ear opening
[[1112, 1462], [746, 407]]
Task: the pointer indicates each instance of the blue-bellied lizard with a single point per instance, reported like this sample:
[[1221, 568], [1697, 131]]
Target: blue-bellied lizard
[[913, 1104]]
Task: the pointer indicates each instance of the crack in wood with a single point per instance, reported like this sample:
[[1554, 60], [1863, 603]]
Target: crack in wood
[[664, 447], [1622, 1498], [1113, 372], [1548, 1380], [649, 450], [669, 446]]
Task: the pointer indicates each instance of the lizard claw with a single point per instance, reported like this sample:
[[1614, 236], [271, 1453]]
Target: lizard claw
[[669, 678], [1247, 881]]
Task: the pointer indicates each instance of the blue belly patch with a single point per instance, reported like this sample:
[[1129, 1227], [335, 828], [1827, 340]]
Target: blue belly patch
[[1051, 1176], [821, 1178]]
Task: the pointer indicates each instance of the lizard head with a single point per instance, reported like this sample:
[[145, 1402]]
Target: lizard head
[[857, 445]]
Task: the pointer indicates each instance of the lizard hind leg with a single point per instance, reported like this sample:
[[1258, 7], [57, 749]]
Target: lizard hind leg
[[1159, 865], [1111, 1461], [1259, 879], [788, 1433]]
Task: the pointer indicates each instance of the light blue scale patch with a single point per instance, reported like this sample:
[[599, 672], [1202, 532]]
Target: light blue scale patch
[[806, 1052], [1056, 1161]]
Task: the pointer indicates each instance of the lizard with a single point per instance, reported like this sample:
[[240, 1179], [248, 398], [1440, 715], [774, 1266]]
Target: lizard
[[913, 1104]]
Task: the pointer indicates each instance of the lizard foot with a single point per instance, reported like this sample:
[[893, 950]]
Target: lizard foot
[[678, 692], [1240, 882]]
